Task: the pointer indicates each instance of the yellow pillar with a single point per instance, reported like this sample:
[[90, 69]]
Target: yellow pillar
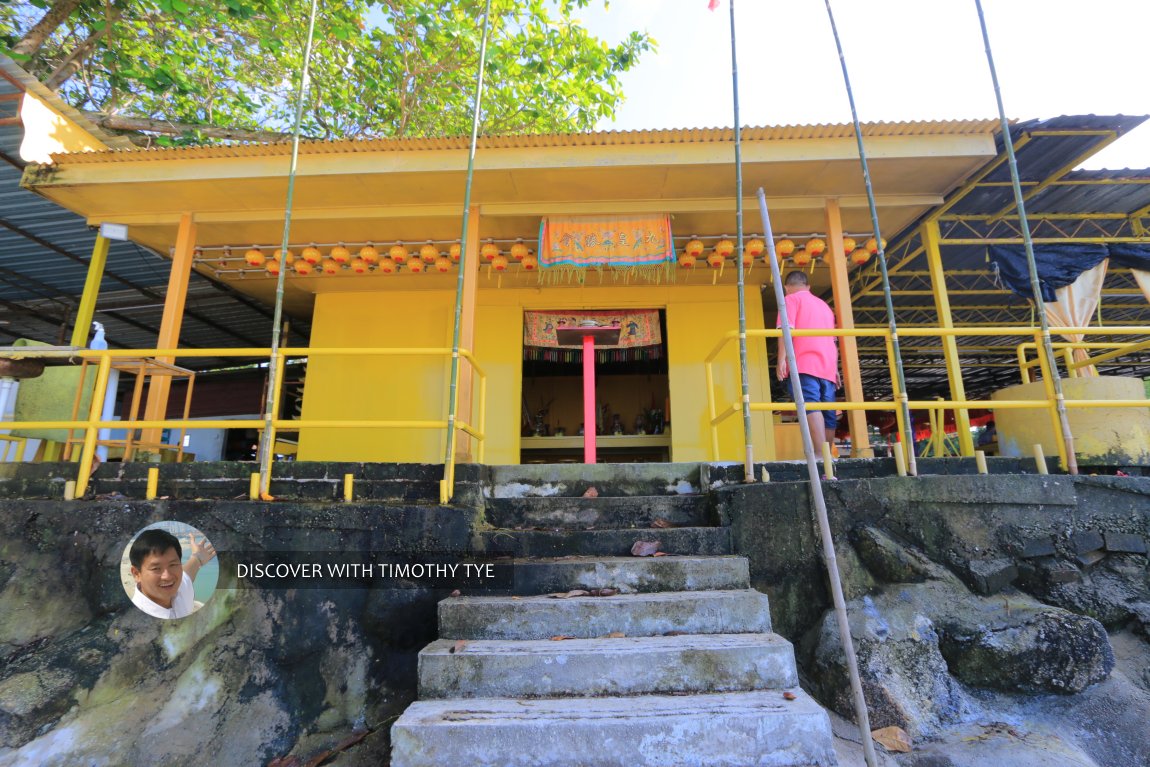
[[87, 306], [173, 317], [464, 411], [844, 313], [930, 238]]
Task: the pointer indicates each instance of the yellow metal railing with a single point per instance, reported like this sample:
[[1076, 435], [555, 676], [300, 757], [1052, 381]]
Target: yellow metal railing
[[91, 425], [717, 416]]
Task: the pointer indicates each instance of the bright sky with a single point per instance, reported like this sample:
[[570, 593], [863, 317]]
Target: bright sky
[[908, 60]]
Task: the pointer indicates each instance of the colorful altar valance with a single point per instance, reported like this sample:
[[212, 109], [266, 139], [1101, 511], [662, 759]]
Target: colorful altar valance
[[637, 327], [598, 241]]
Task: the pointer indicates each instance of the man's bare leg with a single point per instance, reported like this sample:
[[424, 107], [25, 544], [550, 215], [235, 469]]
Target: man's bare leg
[[818, 426]]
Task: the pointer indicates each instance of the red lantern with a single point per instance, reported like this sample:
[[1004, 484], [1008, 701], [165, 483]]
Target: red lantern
[[755, 248], [311, 254], [442, 264], [454, 252], [386, 265], [784, 248], [499, 263], [715, 259], [816, 247], [519, 251], [415, 266], [254, 257], [687, 261], [273, 266], [849, 244], [725, 248], [288, 256], [859, 256], [429, 253], [398, 253], [489, 251], [529, 263], [369, 254], [330, 266], [801, 257], [302, 267], [340, 255], [694, 249], [359, 266]]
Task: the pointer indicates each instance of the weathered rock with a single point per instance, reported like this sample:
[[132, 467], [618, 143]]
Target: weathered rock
[[1125, 543], [1037, 547], [904, 676], [1108, 593], [1085, 542], [990, 576], [1051, 651], [894, 562], [856, 579]]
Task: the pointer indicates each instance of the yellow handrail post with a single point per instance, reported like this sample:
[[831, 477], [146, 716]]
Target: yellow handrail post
[[1052, 400], [900, 419], [92, 427], [482, 449], [1071, 369], [930, 239], [711, 410]]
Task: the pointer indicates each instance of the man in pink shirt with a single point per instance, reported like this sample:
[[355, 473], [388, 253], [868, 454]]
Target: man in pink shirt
[[817, 357]]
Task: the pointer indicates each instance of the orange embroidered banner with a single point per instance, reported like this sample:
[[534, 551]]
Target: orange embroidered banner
[[597, 241]]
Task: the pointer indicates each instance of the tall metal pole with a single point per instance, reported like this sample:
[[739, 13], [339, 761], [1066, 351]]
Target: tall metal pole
[[1028, 243], [452, 404], [267, 439], [749, 457], [817, 498], [892, 324]]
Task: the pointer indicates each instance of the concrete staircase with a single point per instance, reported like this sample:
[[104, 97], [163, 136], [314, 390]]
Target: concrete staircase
[[679, 668]]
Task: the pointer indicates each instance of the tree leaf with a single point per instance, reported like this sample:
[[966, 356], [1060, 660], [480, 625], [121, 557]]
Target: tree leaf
[[893, 739]]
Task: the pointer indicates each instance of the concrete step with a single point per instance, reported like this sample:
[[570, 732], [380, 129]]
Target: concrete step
[[742, 729], [700, 612], [597, 667], [609, 479], [603, 512], [630, 574], [609, 543]]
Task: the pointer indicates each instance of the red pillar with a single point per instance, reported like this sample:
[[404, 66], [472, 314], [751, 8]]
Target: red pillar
[[588, 399]]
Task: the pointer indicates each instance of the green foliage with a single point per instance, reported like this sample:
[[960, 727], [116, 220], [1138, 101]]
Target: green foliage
[[379, 67]]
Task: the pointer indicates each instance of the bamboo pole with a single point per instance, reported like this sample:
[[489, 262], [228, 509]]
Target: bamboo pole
[[452, 396], [267, 438], [1028, 244], [749, 456], [819, 502], [891, 322]]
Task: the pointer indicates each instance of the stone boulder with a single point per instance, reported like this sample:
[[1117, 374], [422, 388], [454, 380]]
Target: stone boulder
[[1048, 650]]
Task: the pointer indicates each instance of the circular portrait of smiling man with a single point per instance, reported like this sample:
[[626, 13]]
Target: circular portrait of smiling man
[[171, 570]]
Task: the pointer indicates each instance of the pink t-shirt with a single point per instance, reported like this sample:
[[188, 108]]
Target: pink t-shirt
[[815, 356]]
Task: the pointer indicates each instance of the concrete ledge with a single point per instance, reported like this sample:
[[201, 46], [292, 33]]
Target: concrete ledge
[[604, 512], [597, 667], [630, 574], [703, 612], [610, 543], [725, 730]]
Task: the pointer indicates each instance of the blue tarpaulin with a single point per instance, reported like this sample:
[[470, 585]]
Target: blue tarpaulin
[[1060, 265]]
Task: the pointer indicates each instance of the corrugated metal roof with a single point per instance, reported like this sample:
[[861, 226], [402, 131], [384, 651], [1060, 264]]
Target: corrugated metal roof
[[540, 141]]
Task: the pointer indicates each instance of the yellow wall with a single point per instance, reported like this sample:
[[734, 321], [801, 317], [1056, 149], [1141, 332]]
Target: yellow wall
[[1101, 435], [697, 316], [377, 388]]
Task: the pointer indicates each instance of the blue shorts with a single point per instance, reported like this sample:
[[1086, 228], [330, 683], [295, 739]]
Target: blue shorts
[[817, 389]]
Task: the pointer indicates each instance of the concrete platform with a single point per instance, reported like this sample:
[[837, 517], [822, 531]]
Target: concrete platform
[[609, 543], [630, 574], [745, 729], [602, 512], [599, 667], [541, 617]]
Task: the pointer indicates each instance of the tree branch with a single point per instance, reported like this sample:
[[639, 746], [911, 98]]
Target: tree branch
[[35, 38], [71, 63], [124, 122]]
